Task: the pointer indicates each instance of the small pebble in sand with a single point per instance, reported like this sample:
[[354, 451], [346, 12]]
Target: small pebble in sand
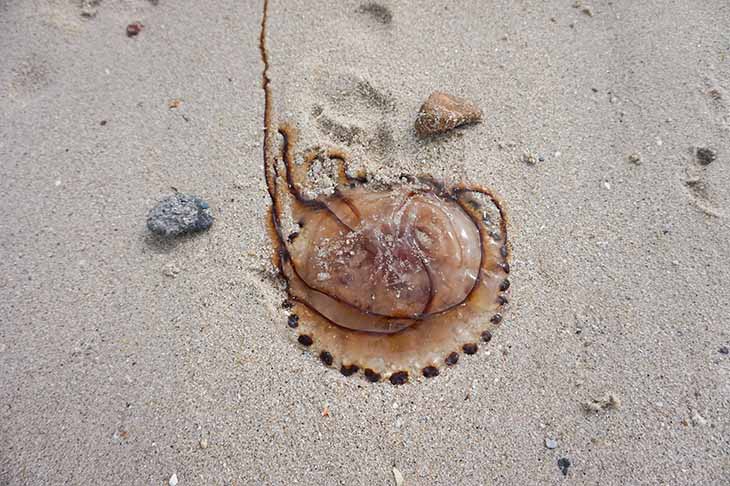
[[134, 28], [551, 443], [635, 158], [530, 158], [203, 443], [170, 270], [588, 11], [88, 8], [564, 465], [706, 156], [724, 350], [174, 104], [442, 112], [178, 214], [173, 480], [378, 12], [609, 402], [697, 419], [398, 476]]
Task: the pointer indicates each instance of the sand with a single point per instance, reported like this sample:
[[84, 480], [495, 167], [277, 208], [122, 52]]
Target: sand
[[113, 371]]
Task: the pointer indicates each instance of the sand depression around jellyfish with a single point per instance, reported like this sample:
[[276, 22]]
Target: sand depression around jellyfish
[[394, 280]]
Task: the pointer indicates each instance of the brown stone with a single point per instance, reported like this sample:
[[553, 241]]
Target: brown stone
[[134, 28], [442, 112]]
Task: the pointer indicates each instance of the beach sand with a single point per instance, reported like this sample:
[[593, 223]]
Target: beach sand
[[121, 355]]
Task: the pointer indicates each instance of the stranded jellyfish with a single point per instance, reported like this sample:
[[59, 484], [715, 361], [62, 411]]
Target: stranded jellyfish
[[393, 281]]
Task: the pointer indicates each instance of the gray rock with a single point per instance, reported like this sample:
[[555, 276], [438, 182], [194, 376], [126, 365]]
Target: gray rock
[[564, 464], [178, 214]]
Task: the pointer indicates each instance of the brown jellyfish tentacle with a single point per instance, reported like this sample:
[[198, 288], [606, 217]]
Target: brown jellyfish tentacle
[[461, 189]]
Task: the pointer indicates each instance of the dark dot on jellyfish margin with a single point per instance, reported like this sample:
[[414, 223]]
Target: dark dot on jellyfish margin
[[326, 358], [503, 251], [504, 285], [486, 336], [564, 464], [372, 376], [452, 359], [348, 370], [496, 318], [305, 340], [399, 378], [470, 348], [502, 300], [287, 304], [430, 371], [292, 236], [293, 321], [505, 267], [495, 236]]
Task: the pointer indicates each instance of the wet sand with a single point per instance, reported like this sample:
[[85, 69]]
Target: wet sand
[[120, 353]]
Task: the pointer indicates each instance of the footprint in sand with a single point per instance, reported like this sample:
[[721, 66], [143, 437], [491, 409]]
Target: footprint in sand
[[718, 101], [707, 173], [351, 111], [706, 180], [376, 12]]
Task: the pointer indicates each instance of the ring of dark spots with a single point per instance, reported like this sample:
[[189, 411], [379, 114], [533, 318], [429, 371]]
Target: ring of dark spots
[[504, 285], [470, 348], [486, 336], [452, 359], [505, 267], [348, 370], [503, 251], [305, 340], [430, 371], [399, 378], [292, 236], [293, 321], [496, 319], [502, 300], [326, 358], [372, 376]]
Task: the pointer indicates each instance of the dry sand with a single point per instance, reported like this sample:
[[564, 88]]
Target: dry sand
[[113, 372]]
